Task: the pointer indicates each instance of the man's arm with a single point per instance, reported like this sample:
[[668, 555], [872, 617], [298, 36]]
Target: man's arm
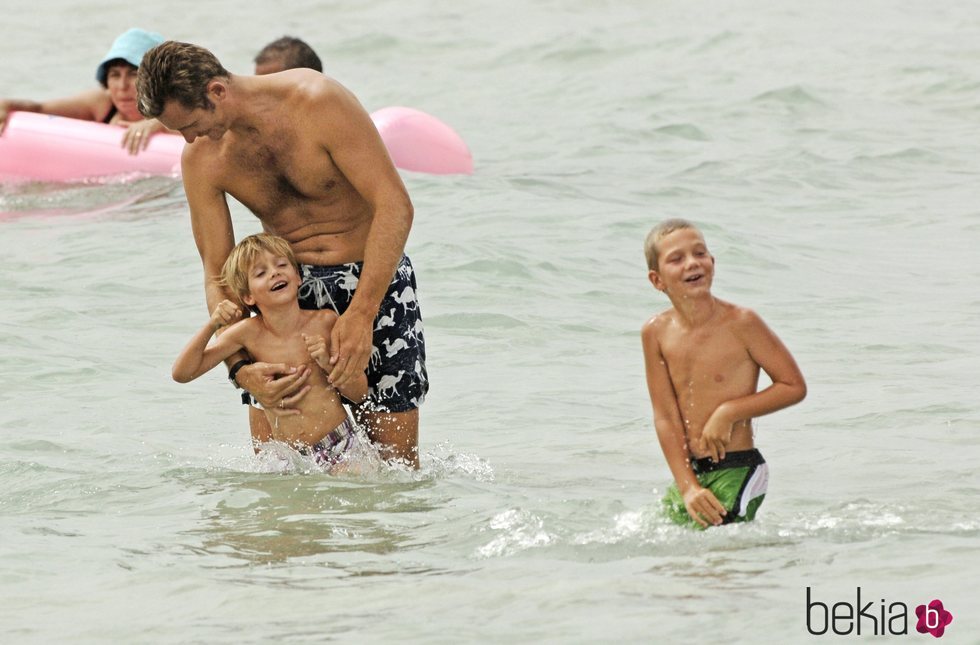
[[210, 221], [360, 154], [788, 386], [215, 238], [701, 503]]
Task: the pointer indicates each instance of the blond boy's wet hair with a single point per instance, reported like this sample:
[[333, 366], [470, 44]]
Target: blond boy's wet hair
[[234, 273], [659, 232]]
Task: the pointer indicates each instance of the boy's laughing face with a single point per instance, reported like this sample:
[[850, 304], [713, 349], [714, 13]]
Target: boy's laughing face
[[271, 279], [684, 267]]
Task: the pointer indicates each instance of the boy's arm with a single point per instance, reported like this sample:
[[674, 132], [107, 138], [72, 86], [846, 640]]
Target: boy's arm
[[788, 386], [701, 503], [197, 357]]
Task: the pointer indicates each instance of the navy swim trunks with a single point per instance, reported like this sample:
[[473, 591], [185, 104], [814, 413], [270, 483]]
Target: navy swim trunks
[[397, 379]]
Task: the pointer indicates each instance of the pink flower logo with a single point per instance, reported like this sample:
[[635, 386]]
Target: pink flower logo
[[933, 618]]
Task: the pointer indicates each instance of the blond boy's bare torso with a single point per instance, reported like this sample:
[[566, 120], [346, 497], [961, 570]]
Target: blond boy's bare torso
[[708, 365], [321, 409]]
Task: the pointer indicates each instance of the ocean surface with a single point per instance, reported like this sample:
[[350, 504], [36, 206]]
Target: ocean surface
[[829, 150]]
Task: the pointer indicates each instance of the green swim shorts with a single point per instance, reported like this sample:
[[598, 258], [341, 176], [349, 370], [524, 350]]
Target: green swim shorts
[[739, 481]]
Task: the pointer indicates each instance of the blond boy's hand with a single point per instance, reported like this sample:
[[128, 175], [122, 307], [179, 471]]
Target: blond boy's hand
[[716, 435], [703, 506], [225, 314], [317, 347]]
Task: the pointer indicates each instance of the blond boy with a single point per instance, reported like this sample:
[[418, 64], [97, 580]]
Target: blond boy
[[703, 357], [262, 274]]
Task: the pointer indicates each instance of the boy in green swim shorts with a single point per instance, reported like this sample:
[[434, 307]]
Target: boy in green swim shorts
[[703, 357]]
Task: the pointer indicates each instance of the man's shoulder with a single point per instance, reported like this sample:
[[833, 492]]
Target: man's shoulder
[[201, 162], [200, 151], [303, 85]]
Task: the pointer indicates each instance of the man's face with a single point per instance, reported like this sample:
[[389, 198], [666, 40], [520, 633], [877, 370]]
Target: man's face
[[192, 123]]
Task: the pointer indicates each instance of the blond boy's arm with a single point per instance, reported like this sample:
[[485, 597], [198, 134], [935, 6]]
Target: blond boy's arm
[[197, 357], [701, 503], [788, 386]]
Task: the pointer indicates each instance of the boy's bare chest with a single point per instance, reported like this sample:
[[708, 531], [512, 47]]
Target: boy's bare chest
[[704, 358], [291, 349]]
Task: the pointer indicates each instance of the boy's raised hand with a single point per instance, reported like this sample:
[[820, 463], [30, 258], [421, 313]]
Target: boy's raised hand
[[317, 347], [225, 314]]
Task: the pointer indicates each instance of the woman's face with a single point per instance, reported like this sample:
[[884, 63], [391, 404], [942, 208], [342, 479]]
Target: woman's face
[[121, 83]]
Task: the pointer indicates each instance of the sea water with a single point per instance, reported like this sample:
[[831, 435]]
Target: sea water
[[830, 153]]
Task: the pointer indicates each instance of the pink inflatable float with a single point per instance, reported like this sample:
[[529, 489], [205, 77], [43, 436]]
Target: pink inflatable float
[[39, 147], [52, 148], [420, 142]]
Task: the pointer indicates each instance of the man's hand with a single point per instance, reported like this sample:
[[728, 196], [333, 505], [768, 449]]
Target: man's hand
[[350, 344], [717, 434], [703, 506], [277, 386]]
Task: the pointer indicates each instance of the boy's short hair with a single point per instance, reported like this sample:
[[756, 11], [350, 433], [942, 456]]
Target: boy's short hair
[[234, 272], [659, 232]]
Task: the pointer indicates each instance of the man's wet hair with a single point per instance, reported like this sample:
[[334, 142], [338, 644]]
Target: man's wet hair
[[175, 71]]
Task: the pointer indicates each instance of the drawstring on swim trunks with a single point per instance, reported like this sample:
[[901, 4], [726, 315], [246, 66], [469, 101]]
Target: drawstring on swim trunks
[[317, 287]]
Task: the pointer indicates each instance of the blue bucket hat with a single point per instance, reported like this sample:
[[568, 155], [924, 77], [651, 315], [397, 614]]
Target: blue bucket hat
[[129, 47]]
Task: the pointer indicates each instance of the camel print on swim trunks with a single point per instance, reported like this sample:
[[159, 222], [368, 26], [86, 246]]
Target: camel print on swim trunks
[[396, 372]]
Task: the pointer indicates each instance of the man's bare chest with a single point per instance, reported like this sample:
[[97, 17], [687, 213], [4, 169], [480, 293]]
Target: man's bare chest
[[272, 178]]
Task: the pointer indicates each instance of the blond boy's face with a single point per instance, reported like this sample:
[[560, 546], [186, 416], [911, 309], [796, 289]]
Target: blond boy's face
[[685, 267], [272, 279]]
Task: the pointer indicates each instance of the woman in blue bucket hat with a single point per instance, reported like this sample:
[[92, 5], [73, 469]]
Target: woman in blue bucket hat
[[115, 101]]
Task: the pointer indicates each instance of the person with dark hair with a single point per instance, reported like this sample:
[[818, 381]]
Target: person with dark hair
[[299, 150], [114, 102], [286, 53]]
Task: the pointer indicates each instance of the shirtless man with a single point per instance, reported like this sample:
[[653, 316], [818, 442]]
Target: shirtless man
[[301, 153]]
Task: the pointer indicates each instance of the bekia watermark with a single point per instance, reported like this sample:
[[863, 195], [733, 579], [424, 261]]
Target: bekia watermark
[[873, 618]]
